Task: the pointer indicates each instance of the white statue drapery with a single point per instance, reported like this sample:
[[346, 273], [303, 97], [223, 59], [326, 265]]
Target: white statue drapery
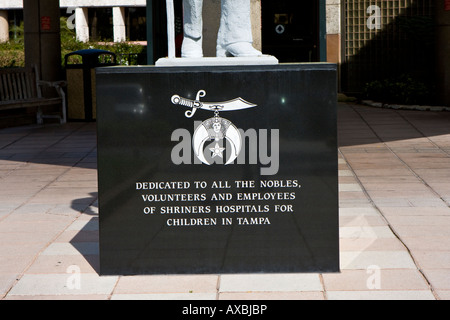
[[235, 34]]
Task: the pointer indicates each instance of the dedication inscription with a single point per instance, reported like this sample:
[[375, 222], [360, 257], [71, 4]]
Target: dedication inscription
[[218, 170]]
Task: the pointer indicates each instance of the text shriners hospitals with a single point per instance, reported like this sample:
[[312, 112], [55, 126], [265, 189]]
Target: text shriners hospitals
[[219, 209]]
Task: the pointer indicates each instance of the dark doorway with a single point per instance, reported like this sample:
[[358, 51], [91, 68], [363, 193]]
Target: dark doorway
[[157, 29], [290, 30]]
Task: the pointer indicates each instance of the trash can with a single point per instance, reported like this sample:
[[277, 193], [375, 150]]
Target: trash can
[[80, 72]]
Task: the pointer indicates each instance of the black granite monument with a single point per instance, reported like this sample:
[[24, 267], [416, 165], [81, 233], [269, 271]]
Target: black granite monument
[[217, 169]]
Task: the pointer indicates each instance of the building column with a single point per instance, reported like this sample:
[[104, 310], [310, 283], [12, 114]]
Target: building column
[[119, 24], [443, 50], [333, 13], [4, 26], [82, 24], [42, 37]]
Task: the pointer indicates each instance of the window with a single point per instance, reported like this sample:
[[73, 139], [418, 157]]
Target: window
[[136, 18], [100, 24]]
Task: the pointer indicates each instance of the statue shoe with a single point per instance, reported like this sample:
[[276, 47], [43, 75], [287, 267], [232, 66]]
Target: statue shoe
[[191, 48], [221, 52], [238, 49]]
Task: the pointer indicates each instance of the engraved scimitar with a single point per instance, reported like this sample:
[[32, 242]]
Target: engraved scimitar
[[231, 105]]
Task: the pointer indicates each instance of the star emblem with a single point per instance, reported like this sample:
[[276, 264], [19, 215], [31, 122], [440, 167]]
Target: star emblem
[[217, 151]]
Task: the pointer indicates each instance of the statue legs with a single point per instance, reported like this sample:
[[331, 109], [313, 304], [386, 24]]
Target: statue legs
[[193, 29], [235, 33]]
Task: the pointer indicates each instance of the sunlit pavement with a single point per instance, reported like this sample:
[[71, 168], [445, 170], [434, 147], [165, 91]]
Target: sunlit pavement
[[394, 198]]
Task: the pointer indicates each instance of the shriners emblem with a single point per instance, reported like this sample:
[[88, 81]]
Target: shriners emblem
[[214, 129]]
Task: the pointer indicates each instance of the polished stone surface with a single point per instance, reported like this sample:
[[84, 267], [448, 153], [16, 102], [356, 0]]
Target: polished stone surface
[[290, 137]]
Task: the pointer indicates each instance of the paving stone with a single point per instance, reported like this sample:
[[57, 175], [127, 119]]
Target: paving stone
[[358, 212], [365, 231], [76, 248], [439, 278], [370, 244], [64, 263], [381, 295], [433, 259], [270, 282], [49, 218], [167, 284], [443, 294], [6, 282], [85, 225], [375, 279], [63, 284], [165, 296], [81, 297], [381, 259], [262, 296]]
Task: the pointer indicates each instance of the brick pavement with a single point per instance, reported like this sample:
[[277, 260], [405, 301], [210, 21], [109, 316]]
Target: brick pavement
[[394, 191]]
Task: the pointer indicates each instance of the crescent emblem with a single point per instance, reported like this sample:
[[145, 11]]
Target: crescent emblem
[[216, 129]]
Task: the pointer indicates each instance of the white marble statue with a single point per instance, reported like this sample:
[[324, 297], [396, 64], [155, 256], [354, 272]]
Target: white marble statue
[[235, 32]]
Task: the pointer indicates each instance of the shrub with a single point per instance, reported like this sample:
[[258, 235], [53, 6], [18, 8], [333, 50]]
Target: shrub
[[10, 57], [400, 90], [12, 52], [123, 50]]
